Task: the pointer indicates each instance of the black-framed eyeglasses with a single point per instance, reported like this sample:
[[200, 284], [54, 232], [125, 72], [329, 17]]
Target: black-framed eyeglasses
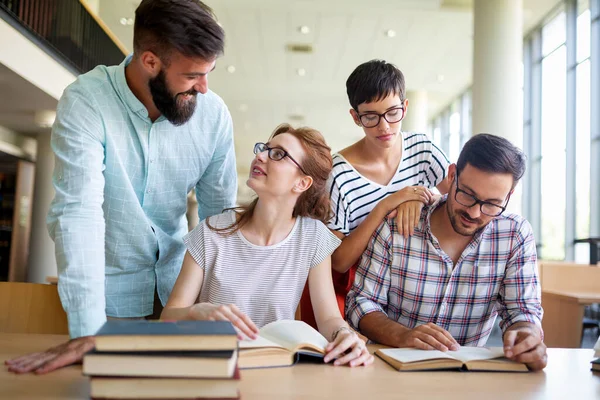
[[372, 119], [468, 200], [276, 154]]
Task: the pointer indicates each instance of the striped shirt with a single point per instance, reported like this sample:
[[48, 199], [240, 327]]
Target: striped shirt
[[353, 196], [264, 282], [414, 281]]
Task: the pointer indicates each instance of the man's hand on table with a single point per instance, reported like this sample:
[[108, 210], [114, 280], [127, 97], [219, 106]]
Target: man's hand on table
[[524, 344], [56, 357]]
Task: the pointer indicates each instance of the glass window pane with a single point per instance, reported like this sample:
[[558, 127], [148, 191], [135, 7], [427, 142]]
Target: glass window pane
[[465, 115], [583, 151], [583, 36], [454, 137], [553, 154], [437, 136], [522, 76], [554, 34]]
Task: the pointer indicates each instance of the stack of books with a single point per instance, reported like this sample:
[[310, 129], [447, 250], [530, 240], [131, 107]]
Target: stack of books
[[164, 360]]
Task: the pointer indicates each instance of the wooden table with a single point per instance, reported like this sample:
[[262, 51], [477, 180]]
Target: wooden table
[[563, 315], [567, 376]]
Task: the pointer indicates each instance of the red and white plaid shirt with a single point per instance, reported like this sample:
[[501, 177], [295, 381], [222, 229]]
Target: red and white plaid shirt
[[414, 281]]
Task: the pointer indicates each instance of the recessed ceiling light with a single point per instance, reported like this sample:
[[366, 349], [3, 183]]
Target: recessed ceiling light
[[440, 78], [301, 71], [231, 69], [123, 21], [296, 117], [304, 29], [390, 33]]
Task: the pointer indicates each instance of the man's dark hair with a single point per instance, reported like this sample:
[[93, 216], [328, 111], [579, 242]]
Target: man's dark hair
[[374, 81], [493, 154], [186, 26]]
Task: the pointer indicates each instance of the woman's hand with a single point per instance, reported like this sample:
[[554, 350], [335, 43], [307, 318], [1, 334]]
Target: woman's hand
[[348, 348], [212, 312], [408, 193], [408, 216]]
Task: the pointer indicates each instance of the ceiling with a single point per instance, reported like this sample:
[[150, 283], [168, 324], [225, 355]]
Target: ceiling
[[432, 46], [19, 103], [433, 41]]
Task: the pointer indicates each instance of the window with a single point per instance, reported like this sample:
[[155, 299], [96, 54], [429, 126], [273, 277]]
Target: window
[[582, 112], [545, 80], [553, 154], [454, 138], [437, 134], [553, 129], [583, 36], [554, 34]]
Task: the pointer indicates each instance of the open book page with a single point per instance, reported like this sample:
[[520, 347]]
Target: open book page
[[259, 342], [293, 335], [407, 355], [464, 354]]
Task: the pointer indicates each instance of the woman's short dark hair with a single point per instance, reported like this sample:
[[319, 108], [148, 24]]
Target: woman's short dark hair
[[374, 81], [491, 153], [186, 26]]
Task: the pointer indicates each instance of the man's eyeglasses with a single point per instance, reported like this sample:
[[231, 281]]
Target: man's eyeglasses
[[276, 154], [372, 119], [468, 200]]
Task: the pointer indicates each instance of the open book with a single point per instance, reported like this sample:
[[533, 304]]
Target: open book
[[279, 344], [469, 358]]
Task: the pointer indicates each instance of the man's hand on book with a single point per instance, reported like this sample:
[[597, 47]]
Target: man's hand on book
[[428, 337], [348, 348], [56, 357], [226, 312], [523, 343]]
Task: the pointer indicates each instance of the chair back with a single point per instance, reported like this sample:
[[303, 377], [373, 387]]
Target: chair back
[[31, 308], [567, 276]]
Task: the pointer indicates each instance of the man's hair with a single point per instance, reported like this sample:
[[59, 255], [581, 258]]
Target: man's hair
[[186, 26], [374, 81], [493, 154]]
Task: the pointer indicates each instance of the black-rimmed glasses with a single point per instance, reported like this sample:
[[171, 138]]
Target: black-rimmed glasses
[[372, 119], [468, 200], [276, 154]]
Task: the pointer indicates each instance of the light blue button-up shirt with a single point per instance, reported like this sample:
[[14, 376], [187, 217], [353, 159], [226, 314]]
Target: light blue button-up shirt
[[121, 182]]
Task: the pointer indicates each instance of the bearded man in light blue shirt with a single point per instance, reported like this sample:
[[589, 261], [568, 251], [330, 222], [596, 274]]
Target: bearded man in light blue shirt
[[130, 142]]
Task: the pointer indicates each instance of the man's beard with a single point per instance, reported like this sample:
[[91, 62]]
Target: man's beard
[[167, 103], [457, 225]]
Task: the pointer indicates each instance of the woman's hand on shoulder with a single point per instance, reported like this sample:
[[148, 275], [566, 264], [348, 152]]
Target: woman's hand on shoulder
[[226, 312], [408, 193], [348, 348]]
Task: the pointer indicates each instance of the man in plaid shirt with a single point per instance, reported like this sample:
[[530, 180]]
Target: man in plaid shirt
[[467, 261]]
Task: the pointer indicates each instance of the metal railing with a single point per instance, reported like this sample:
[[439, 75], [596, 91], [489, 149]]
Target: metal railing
[[64, 29]]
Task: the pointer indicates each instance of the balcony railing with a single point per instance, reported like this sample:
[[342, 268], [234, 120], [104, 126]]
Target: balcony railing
[[66, 30]]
